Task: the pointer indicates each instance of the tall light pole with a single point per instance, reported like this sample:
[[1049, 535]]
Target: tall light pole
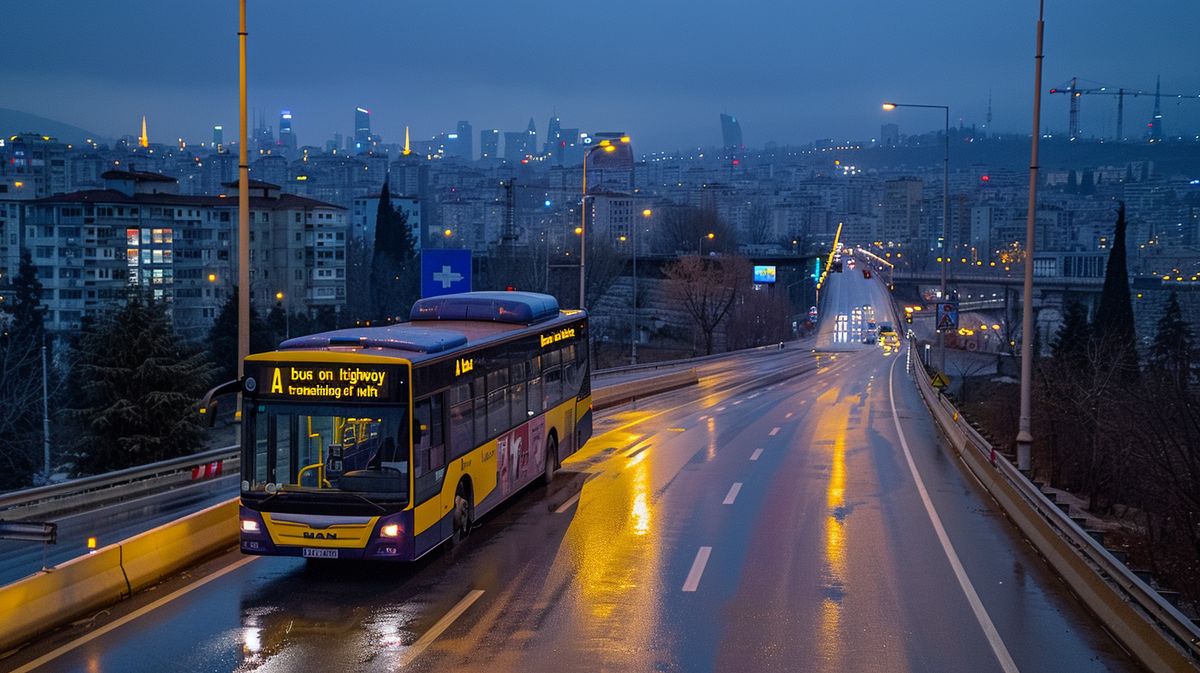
[[945, 214], [633, 328], [1024, 424], [700, 246], [608, 147], [243, 207]]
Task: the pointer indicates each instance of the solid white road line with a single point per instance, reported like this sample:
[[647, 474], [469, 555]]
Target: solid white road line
[[567, 505], [733, 493], [981, 615], [436, 630], [51, 656], [756, 454], [774, 431], [693, 578]]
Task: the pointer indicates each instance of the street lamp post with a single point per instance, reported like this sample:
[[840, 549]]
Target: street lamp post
[[243, 205], [287, 315], [1024, 422], [633, 328], [700, 246], [607, 146], [945, 213]]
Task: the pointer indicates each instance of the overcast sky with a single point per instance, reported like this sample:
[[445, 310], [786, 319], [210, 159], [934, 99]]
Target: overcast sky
[[662, 70]]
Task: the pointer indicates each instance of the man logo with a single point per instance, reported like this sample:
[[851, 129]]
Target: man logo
[[309, 535]]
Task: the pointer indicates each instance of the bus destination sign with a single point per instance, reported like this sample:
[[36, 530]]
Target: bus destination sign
[[324, 381]]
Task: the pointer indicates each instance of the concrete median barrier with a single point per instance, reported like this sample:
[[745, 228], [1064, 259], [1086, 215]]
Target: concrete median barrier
[[49, 598], [149, 557], [611, 396]]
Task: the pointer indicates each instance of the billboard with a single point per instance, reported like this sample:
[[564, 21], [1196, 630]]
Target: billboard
[[764, 274]]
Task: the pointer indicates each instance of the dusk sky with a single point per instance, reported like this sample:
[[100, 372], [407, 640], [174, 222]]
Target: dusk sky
[[661, 70]]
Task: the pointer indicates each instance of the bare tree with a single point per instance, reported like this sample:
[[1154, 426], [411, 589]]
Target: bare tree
[[760, 317], [758, 223], [705, 288], [684, 229]]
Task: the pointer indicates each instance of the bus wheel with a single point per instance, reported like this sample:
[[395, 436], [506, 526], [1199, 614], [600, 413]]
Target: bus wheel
[[464, 512], [551, 460]]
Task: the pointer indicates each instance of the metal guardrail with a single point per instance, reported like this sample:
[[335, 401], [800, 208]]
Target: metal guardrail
[[1171, 623], [99, 482], [682, 362]]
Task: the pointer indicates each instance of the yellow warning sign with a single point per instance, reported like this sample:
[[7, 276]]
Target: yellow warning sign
[[939, 380]]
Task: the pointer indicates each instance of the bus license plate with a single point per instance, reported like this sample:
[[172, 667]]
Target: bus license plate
[[309, 552]]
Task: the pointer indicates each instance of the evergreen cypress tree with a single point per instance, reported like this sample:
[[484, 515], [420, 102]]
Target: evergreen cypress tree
[[20, 379], [1114, 332], [137, 390], [1070, 344], [394, 268], [1171, 352]]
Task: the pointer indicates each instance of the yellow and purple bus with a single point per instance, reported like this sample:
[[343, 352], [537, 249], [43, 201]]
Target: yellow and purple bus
[[384, 442]]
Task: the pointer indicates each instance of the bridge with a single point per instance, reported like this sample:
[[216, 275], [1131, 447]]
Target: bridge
[[811, 508]]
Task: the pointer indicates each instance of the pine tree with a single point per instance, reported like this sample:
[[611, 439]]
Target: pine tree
[[1171, 352], [223, 337], [137, 389], [26, 310], [1114, 334], [394, 267], [1070, 344]]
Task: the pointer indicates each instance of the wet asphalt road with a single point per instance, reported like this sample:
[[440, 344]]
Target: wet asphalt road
[[724, 528]]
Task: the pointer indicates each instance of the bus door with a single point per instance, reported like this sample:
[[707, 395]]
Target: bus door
[[429, 454]]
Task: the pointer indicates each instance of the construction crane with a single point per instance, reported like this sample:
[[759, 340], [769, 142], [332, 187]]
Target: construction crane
[[1155, 126]]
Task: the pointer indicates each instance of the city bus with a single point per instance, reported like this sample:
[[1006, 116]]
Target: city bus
[[385, 442]]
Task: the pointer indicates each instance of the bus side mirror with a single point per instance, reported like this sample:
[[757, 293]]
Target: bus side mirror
[[208, 405]]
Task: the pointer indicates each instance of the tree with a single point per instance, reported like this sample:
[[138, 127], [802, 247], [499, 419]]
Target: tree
[[684, 229], [1171, 351], [1071, 341], [358, 280], [1114, 329], [21, 341], [705, 288], [759, 317], [223, 337], [394, 280], [137, 389]]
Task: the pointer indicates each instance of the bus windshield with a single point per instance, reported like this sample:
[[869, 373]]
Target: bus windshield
[[325, 447]]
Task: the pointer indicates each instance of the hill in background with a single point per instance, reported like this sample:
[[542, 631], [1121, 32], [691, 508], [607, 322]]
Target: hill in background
[[13, 122]]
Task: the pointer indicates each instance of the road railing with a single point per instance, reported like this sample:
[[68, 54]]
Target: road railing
[[130, 482], [1150, 627]]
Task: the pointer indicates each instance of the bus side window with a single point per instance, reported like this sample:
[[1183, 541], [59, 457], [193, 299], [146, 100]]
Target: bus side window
[[421, 414], [552, 387], [429, 449], [497, 402], [517, 405], [462, 419], [570, 371], [479, 395]]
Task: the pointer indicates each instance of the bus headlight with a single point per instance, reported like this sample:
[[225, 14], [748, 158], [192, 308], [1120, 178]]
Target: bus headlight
[[249, 526], [390, 530]]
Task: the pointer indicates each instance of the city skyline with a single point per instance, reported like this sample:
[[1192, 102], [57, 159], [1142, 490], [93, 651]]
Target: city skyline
[[826, 84]]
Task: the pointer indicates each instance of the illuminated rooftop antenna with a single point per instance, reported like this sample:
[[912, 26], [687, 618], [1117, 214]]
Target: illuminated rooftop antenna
[[144, 140]]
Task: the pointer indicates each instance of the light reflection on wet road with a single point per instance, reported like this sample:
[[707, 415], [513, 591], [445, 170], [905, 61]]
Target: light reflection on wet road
[[824, 560]]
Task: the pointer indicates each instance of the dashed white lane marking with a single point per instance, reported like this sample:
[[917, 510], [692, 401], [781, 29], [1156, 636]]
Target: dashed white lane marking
[[733, 493], [756, 454], [981, 615], [567, 504], [736, 402], [720, 408], [750, 397], [789, 414], [51, 656], [693, 577], [774, 431], [442, 624]]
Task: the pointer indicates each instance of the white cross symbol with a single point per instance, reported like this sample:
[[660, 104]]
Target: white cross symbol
[[447, 277]]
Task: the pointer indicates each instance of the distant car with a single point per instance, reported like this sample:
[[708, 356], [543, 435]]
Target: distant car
[[871, 327], [886, 328], [866, 273], [869, 339], [850, 263]]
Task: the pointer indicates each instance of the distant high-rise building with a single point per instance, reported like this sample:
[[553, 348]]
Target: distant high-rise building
[[287, 137], [489, 144], [531, 146], [362, 128], [218, 136], [515, 147], [902, 211], [553, 136], [731, 134], [465, 146], [889, 135]]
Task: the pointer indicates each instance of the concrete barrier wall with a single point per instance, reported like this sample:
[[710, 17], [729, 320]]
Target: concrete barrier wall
[[89, 583], [611, 396]]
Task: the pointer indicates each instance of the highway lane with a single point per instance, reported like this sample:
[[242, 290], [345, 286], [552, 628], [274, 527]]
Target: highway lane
[[769, 528], [120, 520]]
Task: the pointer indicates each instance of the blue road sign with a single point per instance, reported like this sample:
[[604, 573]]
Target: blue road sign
[[947, 316], [445, 272]]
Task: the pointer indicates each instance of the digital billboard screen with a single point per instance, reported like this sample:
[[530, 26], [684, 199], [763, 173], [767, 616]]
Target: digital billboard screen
[[764, 274]]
